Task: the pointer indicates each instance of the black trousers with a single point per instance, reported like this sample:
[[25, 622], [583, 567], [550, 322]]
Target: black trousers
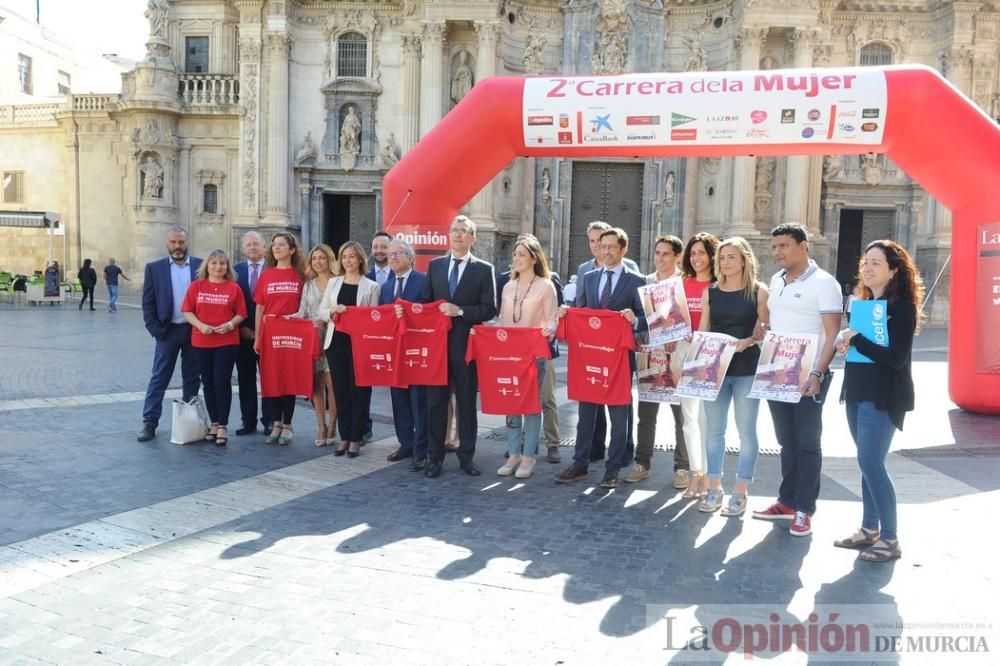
[[216, 367], [88, 292], [353, 401], [465, 382], [247, 363]]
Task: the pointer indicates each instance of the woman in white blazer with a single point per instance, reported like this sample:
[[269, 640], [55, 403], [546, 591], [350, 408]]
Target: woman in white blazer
[[350, 288]]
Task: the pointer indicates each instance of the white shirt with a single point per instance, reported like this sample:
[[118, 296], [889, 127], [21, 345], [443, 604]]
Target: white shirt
[[798, 306], [404, 277], [461, 266], [381, 274], [180, 280]]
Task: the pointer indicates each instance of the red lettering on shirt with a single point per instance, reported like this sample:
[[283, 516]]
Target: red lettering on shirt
[[214, 303], [287, 350]]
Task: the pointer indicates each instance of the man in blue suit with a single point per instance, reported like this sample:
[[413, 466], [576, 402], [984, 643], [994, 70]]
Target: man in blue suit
[[247, 274], [163, 289], [612, 287], [409, 405]]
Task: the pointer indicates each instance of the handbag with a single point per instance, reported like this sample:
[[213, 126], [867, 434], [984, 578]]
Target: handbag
[[190, 421]]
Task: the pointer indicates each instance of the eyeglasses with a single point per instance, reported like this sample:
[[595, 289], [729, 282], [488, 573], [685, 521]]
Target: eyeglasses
[[395, 254]]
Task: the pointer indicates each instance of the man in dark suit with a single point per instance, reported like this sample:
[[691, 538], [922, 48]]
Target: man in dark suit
[[613, 287], [467, 286], [409, 405], [163, 288], [247, 274], [550, 410]]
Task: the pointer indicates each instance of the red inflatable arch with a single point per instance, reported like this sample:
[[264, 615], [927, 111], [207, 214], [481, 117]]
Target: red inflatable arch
[[913, 115]]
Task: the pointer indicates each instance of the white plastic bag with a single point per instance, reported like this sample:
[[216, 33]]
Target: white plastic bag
[[190, 422]]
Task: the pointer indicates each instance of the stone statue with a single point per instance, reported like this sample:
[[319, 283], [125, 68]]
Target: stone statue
[[350, 133], [156, 12], [692, 38], [831, 167], [152, 179], [612, 28], [532, 58], [765, 174], [307, 151], [871, 168], [390, 152], [668, 189], [546, 184], [462, 79]]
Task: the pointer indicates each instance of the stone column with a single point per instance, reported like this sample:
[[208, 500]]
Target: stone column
[[276, 212], [411, 91], [798, 168], [306, 231], [691, 189], [431, 71], [481, 208], [745, 167]]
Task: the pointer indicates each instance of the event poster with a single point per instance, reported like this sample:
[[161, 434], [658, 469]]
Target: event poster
[[785, 362], [659, 372], [988, 298], [706, 108], [666, 311], [868, 318], [705, 365]]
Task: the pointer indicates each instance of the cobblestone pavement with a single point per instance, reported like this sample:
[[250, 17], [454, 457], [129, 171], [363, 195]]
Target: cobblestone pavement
[[117, 552]]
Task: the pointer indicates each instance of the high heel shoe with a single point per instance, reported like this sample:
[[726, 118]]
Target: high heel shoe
[[285, 439], [341, 450], [275, 434], [353, 452], [222, 436]]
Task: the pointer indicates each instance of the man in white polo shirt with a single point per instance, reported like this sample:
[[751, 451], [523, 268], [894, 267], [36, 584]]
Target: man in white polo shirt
[[803, 299]]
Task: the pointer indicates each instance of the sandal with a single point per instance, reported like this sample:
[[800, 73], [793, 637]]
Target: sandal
[[285, 440], [212, 433], [275, 433], [694, 489], [712, 501], [222, 436], [881, 553], [736, 507], [860, 539]]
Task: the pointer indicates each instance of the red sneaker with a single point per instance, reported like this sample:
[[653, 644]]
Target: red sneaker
[[776, 511], [801, 524]]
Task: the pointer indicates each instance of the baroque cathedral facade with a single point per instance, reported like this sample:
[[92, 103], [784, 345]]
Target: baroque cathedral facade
[[286, 114]]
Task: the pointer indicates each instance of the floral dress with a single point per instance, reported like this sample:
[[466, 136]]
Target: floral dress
[[312, 295]]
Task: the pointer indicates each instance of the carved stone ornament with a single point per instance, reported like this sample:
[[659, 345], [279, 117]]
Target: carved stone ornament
[[307, 151], [533, 59], [390, 152], [611, 54], [693, 40], [710, 165], [669, 187], [151, 178], [872, 169], [462, 78]]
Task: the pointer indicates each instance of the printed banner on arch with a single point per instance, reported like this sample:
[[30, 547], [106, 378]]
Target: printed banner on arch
[[706, 108], [784, 365]]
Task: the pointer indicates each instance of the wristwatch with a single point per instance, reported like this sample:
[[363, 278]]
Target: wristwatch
[[817, 374], [461, 312]]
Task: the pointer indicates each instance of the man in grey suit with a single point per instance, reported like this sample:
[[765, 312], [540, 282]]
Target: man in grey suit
[[613, 287]]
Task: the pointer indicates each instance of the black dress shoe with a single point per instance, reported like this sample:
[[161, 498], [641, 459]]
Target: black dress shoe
[[147, 433], [471, 468], [246, 430], [572, 473], [432, 470], [399, 454], [417, 465], [610, 479]]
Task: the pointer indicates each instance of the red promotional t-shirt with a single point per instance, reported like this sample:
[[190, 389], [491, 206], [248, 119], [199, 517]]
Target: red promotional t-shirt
[[375, 342], [424, 349], [505, 364], [214, 303], [598, 369], [278, 291], [288, 348], [693, 288]]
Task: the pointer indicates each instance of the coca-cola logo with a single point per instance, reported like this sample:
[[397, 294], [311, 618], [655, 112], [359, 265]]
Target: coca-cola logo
[[595, 323], [502, 335], [417, 308], [376, 315]]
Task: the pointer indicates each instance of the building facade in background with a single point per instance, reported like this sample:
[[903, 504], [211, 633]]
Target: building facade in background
[[286, 114]]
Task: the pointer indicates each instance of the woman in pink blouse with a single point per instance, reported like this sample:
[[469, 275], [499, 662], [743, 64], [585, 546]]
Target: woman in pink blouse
[[528, 300]]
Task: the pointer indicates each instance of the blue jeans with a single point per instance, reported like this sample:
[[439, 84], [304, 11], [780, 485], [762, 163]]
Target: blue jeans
[[177, 340], [798, 428], [216, 367], [531, 424], [733, 389], [113, 296], [872, 430]]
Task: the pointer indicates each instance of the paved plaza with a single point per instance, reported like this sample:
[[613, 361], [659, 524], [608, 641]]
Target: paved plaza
[[112, 551]]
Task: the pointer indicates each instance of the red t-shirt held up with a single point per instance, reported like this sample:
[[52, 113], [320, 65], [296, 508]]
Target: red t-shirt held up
[[278, 291], [598, 370], [214, 303], [505, 364], [693, 289], [424, 348], [375, 343], [288, 348]]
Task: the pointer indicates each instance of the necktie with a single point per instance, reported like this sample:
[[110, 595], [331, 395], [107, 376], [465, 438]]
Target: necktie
[[453, 278], [253, 277], [606, 291], [399, 287]]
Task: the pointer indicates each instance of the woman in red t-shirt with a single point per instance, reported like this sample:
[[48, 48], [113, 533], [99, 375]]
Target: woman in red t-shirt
[[698, 266], [214, 306], [278, 292]]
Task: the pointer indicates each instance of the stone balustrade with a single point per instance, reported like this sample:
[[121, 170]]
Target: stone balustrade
[[29, 115], [92, 103], [209, 90]]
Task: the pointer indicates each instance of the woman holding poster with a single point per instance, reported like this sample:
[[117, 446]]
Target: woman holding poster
[[528, 300], [878, 394], [734, 305], [698, 266], [278, 292]]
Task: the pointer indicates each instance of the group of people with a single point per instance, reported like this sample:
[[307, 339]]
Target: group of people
[[211, 314], [87, 276]]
